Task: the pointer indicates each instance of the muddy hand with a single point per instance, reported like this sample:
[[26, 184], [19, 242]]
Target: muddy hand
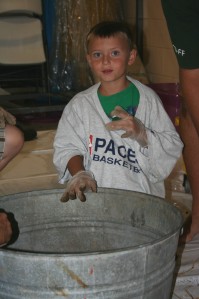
[[80, 183], [5, 229], [132, 126]]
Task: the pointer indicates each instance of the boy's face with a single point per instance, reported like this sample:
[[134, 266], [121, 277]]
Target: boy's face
[[108, 57]]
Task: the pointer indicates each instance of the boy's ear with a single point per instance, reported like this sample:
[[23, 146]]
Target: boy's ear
[[132, 57]]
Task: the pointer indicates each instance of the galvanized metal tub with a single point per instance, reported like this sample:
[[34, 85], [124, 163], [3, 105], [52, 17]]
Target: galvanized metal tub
[[118, 244]]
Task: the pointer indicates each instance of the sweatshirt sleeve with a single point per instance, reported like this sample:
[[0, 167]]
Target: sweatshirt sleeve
[[69, 141], [164, 143]]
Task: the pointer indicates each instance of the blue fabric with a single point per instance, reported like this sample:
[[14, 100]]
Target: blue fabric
[[49, 13]]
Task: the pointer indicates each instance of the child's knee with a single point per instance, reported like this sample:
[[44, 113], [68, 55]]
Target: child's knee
[[13, 138]]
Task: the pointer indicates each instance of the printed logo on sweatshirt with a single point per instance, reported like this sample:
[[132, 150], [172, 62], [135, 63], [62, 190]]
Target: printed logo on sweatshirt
[[106, 151]]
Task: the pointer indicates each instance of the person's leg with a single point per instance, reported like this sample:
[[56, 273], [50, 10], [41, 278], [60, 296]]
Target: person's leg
[[14, 141], [189, 131], [189, 80]]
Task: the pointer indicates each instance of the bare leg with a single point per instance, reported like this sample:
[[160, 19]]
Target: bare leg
[[13, 144], [189, 131]]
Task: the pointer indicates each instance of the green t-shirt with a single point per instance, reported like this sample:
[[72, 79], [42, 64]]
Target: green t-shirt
[[128, 99]]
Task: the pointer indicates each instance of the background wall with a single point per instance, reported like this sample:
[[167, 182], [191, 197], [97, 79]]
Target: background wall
[[158, 57]]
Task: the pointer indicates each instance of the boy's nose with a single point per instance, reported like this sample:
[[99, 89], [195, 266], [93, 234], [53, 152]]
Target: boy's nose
[[106, 59]]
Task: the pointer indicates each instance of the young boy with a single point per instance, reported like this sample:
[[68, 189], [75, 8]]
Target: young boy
[[116, 134]]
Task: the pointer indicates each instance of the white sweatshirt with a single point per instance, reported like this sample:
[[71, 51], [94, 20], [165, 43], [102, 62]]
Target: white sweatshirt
[[117, 162]]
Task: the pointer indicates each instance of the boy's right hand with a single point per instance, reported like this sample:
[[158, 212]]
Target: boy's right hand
[[6, 118], [81, 182]]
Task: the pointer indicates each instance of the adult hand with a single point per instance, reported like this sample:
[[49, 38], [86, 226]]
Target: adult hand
[[6, 118], [134, 127], [80, 183], [5, 229]]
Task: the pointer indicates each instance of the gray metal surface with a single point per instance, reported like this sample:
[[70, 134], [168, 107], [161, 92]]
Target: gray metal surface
[[118, 244]]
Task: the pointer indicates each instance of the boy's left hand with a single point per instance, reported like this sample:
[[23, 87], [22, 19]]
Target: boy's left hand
[[134, 127]]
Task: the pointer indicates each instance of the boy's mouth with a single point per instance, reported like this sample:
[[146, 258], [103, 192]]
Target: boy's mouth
[[107, 72]]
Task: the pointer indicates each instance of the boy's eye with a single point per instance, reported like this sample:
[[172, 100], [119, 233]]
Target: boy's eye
[[115, 53], [96, 55]]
